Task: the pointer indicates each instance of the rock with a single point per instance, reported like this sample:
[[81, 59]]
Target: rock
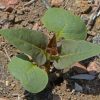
[[93, 68], [18, 19], [83, 6], [68, 90], [73, 91], [97, 24], [20, 12], [26, 9], [24, 23], [11, 17], [83, 77], [18, 26], [6, 26], [30, 26], [31, 19], [56, 2], [91, 1], [11, 2], [78, 88], [69, 98], [4, 16], [13, 85], [8, 3], [2, 22]]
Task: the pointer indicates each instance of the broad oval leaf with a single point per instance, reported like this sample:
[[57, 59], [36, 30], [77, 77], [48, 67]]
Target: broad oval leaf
[[65, 24], [73, 51], [31, 76], [28, 41]]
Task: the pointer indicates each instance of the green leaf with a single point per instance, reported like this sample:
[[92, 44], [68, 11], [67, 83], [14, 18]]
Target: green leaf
[[65, 24], [73, 51], [31, 76], [28, 41]]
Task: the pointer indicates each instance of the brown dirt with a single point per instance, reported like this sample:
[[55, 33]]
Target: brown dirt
[[63, 87]]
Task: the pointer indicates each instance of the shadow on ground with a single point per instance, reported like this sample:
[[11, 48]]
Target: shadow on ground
[[89, 87], [47, 93]]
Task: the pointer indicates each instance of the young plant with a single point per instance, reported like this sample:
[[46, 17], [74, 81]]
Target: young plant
[[39, 54]]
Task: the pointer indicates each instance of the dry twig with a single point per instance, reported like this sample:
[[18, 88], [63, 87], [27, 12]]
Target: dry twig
[[29, 3], [7, 54]]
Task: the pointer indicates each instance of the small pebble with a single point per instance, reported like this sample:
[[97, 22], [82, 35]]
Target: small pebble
[[7, 83], [91, 1], [68, 90], [13, 85], [1, 88], [26, 9], [24, 23], [18, 19], [69, 98], [75, 98], [11, 17], [73, 91], [20, 12]]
